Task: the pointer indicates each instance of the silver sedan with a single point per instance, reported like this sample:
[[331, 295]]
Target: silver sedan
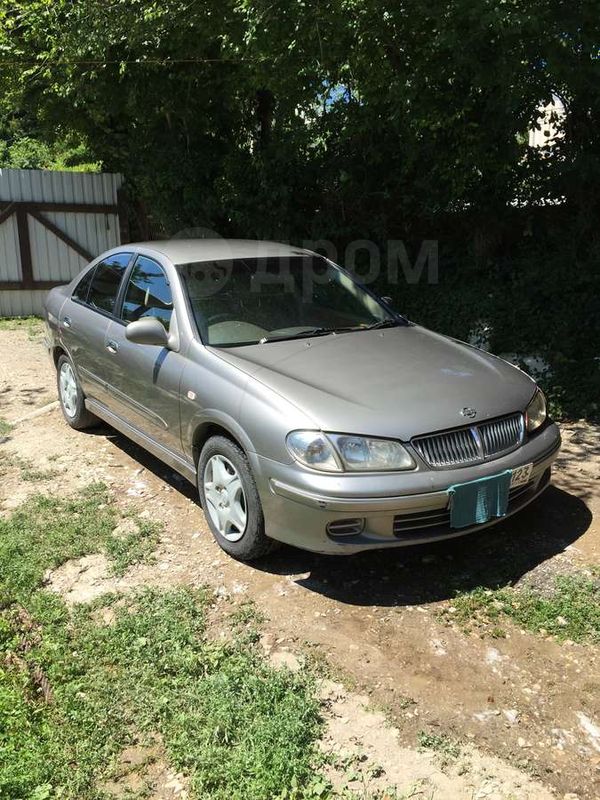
[[304, 408]]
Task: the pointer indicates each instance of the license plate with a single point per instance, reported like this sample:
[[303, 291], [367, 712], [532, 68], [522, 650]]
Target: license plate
[[521, 475], [476, 502]]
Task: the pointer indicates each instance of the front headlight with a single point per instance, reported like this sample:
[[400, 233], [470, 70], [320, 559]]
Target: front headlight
[[335, 452], [361, 453], [313, 449], [536, 412]]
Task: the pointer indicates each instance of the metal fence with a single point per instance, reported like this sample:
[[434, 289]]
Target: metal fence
[[51, 225]]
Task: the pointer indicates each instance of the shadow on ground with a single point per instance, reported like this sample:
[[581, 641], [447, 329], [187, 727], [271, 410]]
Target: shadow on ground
[[145, 459], [497, 556]]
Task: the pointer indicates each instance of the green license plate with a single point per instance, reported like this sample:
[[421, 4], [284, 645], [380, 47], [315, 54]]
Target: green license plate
[[478, 501]]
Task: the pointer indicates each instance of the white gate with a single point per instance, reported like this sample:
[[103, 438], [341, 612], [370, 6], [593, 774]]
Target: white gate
[[51, 225]]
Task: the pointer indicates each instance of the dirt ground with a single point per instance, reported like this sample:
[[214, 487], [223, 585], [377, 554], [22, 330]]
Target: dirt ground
[[524, 709]]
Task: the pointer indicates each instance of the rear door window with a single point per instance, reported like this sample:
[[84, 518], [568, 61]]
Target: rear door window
[[105, 284], [83, 287], [148, 293]]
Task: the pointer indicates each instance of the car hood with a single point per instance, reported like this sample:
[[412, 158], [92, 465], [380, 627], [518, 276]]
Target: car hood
[[397, 382]]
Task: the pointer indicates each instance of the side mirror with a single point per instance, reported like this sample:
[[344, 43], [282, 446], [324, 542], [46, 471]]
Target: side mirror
[[147, 331], [387, 300]]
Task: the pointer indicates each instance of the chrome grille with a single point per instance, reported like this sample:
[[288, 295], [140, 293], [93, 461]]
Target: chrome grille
[[471, 445], [501, 434], [445, 449]]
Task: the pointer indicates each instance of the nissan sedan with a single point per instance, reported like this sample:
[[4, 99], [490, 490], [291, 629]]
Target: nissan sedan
[[302, 406]]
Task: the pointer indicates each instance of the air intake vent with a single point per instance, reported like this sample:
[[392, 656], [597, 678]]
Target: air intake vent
[[437, 521]]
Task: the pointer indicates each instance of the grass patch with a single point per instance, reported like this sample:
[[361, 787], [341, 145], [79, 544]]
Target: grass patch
[[33, 475], [74, 692], [47, 531], [5, 427], [246, 615], [34, 326], [238, 728], [571, 611], [441, 744], [29, 472], [134, 546], [246, 622]]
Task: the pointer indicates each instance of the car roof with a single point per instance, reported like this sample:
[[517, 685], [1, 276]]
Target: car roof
[[185, 251]]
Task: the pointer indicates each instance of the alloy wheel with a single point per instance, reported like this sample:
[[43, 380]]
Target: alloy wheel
[[68, 389], [225, 498]]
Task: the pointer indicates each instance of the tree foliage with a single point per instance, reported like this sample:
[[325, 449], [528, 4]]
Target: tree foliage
[[213, 99], [336, 119]]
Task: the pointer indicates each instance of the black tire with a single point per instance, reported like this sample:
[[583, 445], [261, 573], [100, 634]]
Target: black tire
[[81, 418], [254, 543]]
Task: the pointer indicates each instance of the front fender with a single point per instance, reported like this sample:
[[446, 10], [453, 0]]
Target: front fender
[[200, 423]]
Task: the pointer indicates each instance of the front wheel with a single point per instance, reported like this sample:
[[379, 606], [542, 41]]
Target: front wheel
[[230, 500], [70, 394]]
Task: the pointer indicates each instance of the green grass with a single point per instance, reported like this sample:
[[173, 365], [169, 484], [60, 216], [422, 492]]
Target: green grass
[[134, 547], [239, 728], [33, 325], [245, 623], [29, 472], [441, 744], [33, 475], [75, 692], [246, 615], [5, 427], [47, 531], [570, 611]]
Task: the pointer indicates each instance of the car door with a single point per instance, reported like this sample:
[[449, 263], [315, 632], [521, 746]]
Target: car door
[[144, 382], [84, 322]]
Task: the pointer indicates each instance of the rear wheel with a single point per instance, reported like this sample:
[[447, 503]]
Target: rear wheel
[[230, 500], [71, 397]]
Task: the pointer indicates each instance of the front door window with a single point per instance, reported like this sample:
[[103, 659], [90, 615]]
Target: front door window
[[148, 293]]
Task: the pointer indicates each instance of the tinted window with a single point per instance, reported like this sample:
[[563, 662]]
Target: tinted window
[[148, 293], [83, 287], [105, 284]]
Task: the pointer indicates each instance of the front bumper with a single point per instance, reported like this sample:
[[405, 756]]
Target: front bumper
[[395, 509]]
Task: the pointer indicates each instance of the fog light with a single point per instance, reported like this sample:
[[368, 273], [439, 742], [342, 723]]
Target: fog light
[[346, 527]]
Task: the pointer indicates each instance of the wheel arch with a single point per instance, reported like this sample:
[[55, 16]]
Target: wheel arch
[[57, 352], [206, 428]]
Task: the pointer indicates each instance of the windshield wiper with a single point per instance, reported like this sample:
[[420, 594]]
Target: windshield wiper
[[301, 335], [321, 331], [309, 332], [384, 323]]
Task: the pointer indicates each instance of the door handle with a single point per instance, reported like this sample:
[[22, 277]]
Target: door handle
[[112, 346], [66, 321]]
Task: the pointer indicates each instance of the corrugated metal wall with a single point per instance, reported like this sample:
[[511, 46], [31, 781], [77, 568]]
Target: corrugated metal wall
[[47, 186], [10, 259], [52, 260], [22, 303]]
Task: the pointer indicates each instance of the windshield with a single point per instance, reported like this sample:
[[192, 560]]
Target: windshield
[[260, 300]]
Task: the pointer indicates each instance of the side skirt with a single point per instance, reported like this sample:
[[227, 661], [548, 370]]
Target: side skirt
[[185, 468]]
